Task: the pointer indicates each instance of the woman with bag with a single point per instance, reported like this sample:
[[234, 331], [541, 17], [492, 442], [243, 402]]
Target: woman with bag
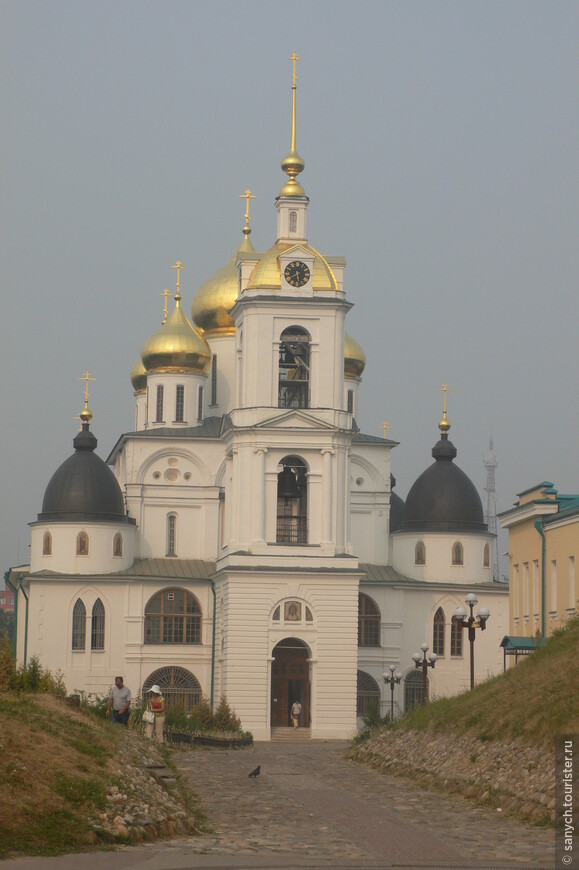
[[154, 715]]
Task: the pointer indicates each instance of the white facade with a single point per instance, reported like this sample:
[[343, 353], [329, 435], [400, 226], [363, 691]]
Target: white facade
[[267, 585]]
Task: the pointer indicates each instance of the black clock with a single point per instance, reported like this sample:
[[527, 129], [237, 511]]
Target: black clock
[[297, 273]]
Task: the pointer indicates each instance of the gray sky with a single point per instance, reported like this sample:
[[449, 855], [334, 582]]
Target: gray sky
[[440, 146]]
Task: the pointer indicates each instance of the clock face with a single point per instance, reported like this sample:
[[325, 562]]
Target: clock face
[[297, 273]]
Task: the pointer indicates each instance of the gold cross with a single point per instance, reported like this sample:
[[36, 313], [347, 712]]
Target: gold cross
[[178, 265], [445, 389], [247, 196], [86, 377], [293, 57], [166, 294], [385, 426]]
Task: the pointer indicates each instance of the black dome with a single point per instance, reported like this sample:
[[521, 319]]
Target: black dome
[[396, 506], [83, 488], [443, 499]]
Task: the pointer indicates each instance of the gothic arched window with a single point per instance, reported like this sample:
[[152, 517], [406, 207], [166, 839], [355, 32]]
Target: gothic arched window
[[292, 502], [293, 221], [79, 626], [368, 694], [294, 368], [486, 556], [47, 544], [82, 544], [457, 554], [420, 553], [97, 631], [173, 616], [118, 544], [414, 690], [438, 633], [368, 621]]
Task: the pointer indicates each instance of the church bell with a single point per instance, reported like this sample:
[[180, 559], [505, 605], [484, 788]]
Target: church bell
[[287, 484]]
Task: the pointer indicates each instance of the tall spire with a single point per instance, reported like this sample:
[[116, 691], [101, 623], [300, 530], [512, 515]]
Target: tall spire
[[293, 164], [444, 424]]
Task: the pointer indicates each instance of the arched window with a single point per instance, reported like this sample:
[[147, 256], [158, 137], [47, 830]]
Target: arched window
[[171, 548], [414, 690], [292, 502], [294, 368], [179, 403], [82, 544], [179, 687], [47, 544], [118, 544], [486, 556], [173, 616], [97, 631], [79, 626], [368, 622], [159, 404], [457, 554], [438, 633], [420, 553], [368, 695], [293, 221], [456, 639]]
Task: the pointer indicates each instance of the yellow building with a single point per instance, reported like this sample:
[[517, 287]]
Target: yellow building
[[543, 548]]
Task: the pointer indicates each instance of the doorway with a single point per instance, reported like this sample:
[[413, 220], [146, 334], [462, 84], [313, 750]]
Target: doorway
[[290, 682]]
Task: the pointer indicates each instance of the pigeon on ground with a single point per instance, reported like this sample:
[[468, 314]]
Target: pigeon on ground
[[256, 772]]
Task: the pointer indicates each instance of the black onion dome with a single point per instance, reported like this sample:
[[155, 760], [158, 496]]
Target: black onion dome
[[84, 488], [443, 499], [396, 506]]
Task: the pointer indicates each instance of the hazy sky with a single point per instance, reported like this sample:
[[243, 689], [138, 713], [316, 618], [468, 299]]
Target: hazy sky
[[440, 141]]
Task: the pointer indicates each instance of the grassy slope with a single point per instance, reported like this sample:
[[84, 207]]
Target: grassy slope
[[52, 767], [533, 701]]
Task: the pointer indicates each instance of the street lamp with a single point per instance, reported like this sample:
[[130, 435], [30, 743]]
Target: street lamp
[[471, 622], [424, 664], [390, 681]]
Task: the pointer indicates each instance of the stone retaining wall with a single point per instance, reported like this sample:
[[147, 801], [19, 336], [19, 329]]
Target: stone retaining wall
[[511, 776]]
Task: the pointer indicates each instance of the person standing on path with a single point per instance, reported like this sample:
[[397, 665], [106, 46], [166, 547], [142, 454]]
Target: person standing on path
[[154, 730], [119, 702], [296, 711]]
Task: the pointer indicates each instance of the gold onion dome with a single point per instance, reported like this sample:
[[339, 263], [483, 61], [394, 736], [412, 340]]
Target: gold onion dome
[[267, 273], [217, 296], [176, 347], [354, 358], [139, 377]]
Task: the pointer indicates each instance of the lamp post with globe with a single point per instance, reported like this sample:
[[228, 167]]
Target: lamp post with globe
[[424, 663], [391, 680], [471, 622]]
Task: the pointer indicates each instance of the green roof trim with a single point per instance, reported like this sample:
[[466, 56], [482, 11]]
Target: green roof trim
[[519, 643]]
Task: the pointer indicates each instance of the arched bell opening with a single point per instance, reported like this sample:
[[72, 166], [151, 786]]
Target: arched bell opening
[[290, 682], [292, 501]]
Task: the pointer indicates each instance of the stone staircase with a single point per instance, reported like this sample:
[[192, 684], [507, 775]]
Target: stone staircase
[[291, 735]]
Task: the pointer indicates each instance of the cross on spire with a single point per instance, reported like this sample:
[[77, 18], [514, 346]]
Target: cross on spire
[[166, 294], [385, 426], [293, 57], [178, 266], [86, 378], [247, 196], [445, 389]]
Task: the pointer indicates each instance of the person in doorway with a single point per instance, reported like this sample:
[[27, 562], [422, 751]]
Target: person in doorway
[[296, 711], [119, 702], [156, 704]]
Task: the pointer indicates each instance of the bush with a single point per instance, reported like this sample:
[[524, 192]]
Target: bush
[[225, 719], [7, 664], [202, 718]]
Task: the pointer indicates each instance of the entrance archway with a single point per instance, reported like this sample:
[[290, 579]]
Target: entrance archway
[[290, 681]]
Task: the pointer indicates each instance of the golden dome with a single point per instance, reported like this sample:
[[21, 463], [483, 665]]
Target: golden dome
[[139, 377], [267, 273], [176, 347], [354, 358], [216, 296]]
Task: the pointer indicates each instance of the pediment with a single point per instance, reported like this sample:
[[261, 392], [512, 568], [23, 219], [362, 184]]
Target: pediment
[[294, 418], [297, 252]]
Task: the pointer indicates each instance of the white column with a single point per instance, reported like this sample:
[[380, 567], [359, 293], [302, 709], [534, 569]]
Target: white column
[[327, 495], [259, 494]]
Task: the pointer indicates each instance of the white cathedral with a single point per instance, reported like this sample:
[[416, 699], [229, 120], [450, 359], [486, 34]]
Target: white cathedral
[[244, 540]]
